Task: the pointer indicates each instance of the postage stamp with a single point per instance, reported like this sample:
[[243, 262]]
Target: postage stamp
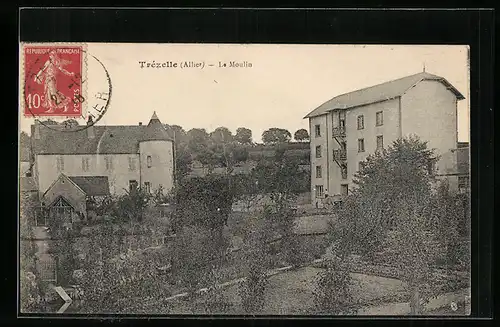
[[54, 80]]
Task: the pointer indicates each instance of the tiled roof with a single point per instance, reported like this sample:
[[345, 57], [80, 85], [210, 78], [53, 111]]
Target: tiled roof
[[107, 139], [155, 130], [27, 184], [379, 92], [92, 185], [24, 153]]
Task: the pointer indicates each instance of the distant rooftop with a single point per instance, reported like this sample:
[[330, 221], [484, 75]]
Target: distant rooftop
[[380, 92], [92, 185], [27, 184]]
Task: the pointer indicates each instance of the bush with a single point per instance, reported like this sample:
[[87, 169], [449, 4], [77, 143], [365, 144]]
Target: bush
[[332, 294], [252, 293], [256, 260], [196, 252], [304, 249]]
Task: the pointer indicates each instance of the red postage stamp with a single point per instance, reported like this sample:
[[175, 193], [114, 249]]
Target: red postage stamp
[[53, 80]]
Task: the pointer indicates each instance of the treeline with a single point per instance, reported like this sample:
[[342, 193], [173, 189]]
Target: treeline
[[222, 148]]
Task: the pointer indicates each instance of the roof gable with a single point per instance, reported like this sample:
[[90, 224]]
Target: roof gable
[[378, 93]]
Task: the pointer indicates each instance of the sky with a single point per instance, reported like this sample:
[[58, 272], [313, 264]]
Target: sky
[[283, 85]]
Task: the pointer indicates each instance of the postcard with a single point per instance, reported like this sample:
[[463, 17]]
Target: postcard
[[244, 179]]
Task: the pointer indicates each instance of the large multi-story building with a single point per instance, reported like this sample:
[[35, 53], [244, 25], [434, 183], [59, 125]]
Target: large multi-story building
[[125, 156], [348, 128]]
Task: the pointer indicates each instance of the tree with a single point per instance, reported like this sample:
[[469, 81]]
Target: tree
[[177, 133], [130, 206], [197, 139], [194, 253], [183, 160], [239, 154], [301, 135], [130, 283], [30, 295], [203, 201], [221, 135], [246, 189], [69, 123], [276, 135], [256, 259], [448, 222], [390, 210], [243, 136], [63, 233], [332, 290], [183, 154]]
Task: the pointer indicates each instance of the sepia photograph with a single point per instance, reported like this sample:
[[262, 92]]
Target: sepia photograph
[[244, 179]]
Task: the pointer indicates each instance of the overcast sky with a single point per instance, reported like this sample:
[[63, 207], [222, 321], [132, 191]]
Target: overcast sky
[[284, 83]]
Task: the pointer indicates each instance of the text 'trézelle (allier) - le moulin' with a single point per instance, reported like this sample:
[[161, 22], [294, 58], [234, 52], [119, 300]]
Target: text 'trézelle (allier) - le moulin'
[[194, 64]]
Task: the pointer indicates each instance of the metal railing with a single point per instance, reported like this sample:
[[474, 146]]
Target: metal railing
[[340, 155], [338, 131]]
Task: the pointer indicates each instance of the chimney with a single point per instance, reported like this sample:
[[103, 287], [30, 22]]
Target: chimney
[[140, 123], [90, 128], [37, 130]]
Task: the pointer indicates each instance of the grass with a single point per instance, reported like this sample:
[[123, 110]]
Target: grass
[[291, 293]]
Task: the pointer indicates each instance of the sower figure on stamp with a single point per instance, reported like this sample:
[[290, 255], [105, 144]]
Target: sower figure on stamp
[[54, 99]]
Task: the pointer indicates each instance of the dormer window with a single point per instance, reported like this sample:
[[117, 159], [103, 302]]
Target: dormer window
[[60, 163], [85, 164], [109, 162], [131, 164]]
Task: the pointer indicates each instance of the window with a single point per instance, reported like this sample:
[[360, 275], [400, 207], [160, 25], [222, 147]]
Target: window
[[344, 172], [132, 185], [62, 211], [379, 118], [463, 183], [60, 164], [319, 191], [147, 187], [318, 151], [380, 142], [317, 130], [149, 161], [131, 164], [344, 189], [48, 269], [41, 218], [361, 145], [361, 165], [361, 122], [109, 163], [318, 171], [85, 164]]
